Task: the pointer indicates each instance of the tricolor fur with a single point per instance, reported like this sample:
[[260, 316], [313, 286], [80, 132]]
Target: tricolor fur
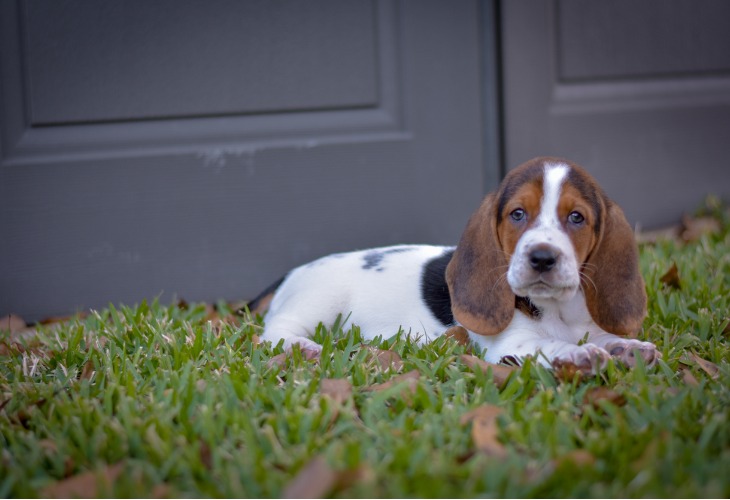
[[545, 262]]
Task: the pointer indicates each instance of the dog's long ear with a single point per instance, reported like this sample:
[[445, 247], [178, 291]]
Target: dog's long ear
[[481, 298], [613, 285]]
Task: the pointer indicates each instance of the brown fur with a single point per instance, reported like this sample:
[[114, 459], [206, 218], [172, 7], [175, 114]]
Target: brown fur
[[481, 299], [613, 285]]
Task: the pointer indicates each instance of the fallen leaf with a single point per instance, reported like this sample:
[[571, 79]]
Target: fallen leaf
[[689, 379], [280, 359], [708, 367], [671, 278], [387, 359], [89, 484], [666, 233], [595, 395], [458, 334], [338, 389], [693, 228], [12, 323], [578, 458], [206, 455], [500, 373], [318, 479], [566, 371], [409, 380], [51, 320], [162, 490], [88, 371], [484, 430], [314, 480]]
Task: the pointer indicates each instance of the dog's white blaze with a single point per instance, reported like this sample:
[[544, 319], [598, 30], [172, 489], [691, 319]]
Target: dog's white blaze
[[554, 177]]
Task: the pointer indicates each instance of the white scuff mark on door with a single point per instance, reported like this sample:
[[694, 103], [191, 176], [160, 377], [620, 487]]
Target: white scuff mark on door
[[107, 251]]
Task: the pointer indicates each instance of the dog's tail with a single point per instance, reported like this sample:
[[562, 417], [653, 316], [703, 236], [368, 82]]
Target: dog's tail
[[261, 303]]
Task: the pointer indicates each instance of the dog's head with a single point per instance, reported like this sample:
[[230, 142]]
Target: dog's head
[[547, 232]]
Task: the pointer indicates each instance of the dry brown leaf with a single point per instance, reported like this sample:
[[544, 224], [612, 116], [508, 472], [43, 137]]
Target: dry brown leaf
[[12, 323], [708, 367], [85, 485], [51, 320], [665, 233], [595, 395], [162, 490], [578, 458], [88, 371], [339, 389], [314, 480], [458, 334], [566, 371], [689, 379], [693, 228], [206, 455], [500, 373], [671, 278], [484, 430], [280, 359], [387, 359], [317, 479], [409, 380]]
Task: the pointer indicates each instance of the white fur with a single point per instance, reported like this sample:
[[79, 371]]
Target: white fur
[[383, 295], [379, 297]]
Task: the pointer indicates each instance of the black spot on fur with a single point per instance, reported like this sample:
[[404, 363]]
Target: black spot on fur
[[374, 258], [435, 291]]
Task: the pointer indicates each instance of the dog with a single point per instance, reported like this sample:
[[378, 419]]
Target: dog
[[547, 267]]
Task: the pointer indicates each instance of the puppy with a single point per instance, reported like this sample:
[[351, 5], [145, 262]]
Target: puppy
[[547, 267]]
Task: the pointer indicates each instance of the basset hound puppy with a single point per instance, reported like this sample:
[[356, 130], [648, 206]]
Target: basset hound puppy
[[547, 266]]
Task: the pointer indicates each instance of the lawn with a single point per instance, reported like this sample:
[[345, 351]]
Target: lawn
[[181, 400]]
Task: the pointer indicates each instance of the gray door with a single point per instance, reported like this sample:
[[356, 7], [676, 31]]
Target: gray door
[[200, 149], [637, 91]]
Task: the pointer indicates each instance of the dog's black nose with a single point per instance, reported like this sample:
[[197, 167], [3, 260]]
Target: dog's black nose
[[543, 259]]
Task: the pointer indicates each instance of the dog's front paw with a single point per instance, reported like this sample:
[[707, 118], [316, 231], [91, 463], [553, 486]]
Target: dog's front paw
[[588, 359], [626, 351]]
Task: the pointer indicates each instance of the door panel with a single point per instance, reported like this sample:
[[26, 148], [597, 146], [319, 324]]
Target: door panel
[[644, 107], [204, 161], [163, 59]]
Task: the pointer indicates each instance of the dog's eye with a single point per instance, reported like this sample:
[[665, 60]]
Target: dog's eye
[[517, 214], [576, 218]]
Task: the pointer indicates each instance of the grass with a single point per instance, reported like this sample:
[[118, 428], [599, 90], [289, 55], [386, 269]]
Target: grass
[[165, 401]]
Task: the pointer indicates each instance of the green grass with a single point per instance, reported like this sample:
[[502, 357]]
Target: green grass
[[158, 401]]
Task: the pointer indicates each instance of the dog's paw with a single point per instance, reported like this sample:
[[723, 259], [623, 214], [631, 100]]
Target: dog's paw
[[588, 359], [309, 348], [626, 350]]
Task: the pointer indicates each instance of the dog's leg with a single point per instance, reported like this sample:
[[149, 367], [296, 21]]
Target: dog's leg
[[625, 350], [280, 328], [547, 350]]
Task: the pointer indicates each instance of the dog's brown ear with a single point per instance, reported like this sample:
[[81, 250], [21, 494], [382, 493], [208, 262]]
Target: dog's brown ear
[[612, 283], [481, 298]]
